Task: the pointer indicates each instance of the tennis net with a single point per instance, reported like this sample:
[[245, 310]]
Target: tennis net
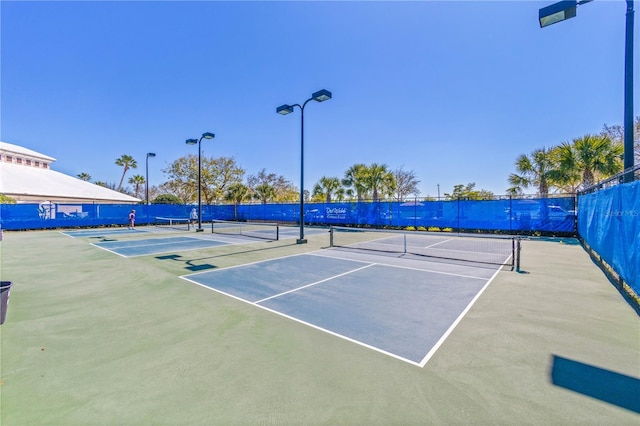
[[265, 231], [181, 224], [489, 249]]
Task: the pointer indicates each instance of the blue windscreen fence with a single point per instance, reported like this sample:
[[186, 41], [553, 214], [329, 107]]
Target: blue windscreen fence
[[548, 215], [609, 222]]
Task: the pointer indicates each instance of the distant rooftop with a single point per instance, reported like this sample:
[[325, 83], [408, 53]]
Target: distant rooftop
[[25, 176]]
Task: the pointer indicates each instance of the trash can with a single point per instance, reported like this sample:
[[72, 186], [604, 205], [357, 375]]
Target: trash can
[[5, 287]]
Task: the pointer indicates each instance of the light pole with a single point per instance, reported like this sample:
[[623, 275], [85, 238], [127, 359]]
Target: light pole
[[205, 135], [560, 11], [149, 154], [319, 96]]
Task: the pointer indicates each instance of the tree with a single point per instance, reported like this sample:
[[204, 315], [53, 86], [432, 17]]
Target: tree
[[167, 199], [616, 134], [106, 185], [174, 189], [406, 183], [154, 191], [84, 176], [535, 170], [586, 160], [182, 178], [237, 193], [355, 181], [126, 162], [380, 181], [515, 191], [468, 192], [136, 181], [283, 189], [264, 192], [5, 199], [216, 175], [326, 188]]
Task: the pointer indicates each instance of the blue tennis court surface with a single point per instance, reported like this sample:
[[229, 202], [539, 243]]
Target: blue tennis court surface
[[405, 312], [157, 245], [102, 232]]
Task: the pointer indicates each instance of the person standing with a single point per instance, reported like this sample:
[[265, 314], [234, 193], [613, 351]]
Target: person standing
[[132, 219], [194, 216]]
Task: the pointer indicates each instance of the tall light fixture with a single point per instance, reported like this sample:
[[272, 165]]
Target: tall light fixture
[[563, 10], [319, 96], [205, 135], [149, 154]]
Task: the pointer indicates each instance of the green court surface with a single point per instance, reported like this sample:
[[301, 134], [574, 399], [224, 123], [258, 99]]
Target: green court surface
[[95, 338]]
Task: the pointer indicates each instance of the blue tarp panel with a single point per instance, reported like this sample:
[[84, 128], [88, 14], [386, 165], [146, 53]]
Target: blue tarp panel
[[609, 221], [552, 215]]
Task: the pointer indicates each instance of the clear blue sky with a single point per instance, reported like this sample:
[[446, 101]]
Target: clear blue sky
[[452, 90]]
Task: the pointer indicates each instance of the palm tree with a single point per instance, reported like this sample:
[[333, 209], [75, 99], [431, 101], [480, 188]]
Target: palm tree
[[326, 187], [84, 176], [127, 162], [515, 191], [137, 180], [565, 175], [106, 185], [355, 178], [380, 181], [535, 170], [237, 193], [264, 192], [589, 158]]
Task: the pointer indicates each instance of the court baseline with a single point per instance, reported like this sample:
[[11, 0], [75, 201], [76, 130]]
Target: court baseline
[[404, 312], [101, 232], [156, 245]]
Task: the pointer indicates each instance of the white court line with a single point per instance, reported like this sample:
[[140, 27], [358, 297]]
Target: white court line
[[308, 324], [244, 264], [319, 253], [110, 251], [421, 364], [441, 242], [315, 283], [456, 322], [169, 249], [458, 250]]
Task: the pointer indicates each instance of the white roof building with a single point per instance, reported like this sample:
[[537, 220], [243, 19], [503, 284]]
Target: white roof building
[[26, 176]]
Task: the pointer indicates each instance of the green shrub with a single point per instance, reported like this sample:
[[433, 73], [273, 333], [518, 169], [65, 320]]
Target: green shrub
[[5, 199], [167, 199]]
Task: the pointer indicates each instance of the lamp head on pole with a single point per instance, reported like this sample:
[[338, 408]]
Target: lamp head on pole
[[192, 141], [284, 109], [321, 95], [558, 12], [151, 154], [208, 135]]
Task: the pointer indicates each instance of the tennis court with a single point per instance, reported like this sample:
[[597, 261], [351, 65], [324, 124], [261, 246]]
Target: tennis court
[[147, 246], [96, 338], [402, 308], [105, 232], [224, 233]]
